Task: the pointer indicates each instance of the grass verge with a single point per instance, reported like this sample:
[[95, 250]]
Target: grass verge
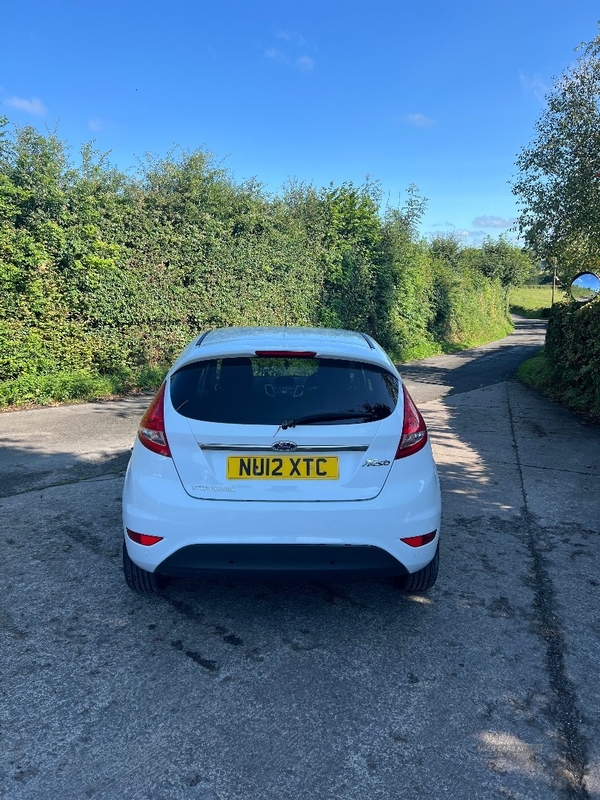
[[537, 373], [79, 386], [467, 342]]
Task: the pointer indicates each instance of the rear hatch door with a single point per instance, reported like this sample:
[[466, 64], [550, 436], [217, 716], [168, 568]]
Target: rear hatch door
[[292, 436]]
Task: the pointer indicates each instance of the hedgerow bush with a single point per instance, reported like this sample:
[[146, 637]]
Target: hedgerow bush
[[468, 305], [573, 355], [105, 276]]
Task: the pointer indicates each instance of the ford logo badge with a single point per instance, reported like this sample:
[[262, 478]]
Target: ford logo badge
[[284, 446]]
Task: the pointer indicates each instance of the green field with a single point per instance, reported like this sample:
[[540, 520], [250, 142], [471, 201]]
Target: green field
[[532, 302]]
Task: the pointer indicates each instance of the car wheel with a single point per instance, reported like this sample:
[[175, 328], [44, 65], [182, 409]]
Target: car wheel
[[138, 579], [425, 578]]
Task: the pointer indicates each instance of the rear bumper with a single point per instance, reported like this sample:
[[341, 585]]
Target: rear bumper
[[155, 503], [305, 559]]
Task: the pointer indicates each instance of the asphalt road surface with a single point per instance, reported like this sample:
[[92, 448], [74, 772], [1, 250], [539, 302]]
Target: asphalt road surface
[[486, 687]]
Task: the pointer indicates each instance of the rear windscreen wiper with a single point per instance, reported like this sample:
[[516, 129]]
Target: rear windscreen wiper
[[333, 416]]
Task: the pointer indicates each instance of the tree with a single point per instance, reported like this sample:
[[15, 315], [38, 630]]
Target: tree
[[558, 185], [498, 258], [353, 250], [447, 248]]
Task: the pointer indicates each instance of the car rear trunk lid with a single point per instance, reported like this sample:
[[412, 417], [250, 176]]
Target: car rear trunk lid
[[338, 427]]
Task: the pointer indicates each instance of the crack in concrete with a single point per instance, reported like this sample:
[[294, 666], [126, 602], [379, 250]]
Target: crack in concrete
[[537, 466], [562, 708]]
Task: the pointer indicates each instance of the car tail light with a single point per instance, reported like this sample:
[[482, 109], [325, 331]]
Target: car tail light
[[143, 538], [151, 432], [419, 541], [414, 431], [286, 353]]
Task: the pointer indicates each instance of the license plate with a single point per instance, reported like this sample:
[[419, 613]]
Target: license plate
[[282, 467]]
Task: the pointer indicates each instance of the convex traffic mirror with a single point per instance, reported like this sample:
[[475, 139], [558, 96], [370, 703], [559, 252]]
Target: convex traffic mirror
[[585, 287]]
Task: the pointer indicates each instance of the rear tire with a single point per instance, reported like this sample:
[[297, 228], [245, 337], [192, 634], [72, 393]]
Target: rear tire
[[425, 578], [138, 579]]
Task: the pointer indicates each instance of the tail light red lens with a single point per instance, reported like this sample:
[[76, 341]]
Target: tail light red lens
[[419, 541], [143, 538], [151, 432], [414, 431]]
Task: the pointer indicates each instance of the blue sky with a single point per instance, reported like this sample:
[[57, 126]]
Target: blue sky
[[439, 94]]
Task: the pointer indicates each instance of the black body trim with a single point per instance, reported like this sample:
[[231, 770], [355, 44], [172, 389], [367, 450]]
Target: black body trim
[[368, 340], [196, 560]]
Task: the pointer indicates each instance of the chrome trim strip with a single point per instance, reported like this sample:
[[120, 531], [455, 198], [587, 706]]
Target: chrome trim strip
[[262, 448]]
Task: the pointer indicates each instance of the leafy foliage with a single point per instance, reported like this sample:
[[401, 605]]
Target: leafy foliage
[[568, 369], [105, 276], [502, 260], [470, 288], [558, 185], [573, 351]]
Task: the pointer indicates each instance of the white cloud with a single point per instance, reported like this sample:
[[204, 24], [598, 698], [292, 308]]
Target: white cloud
[[289, 50], [291, 36], [476, 238], [419, 120], [305, 63], [470, 235], [535, 85], [492, 222], [32, 106]]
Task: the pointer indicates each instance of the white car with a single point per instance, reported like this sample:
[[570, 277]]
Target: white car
[[281, 449]]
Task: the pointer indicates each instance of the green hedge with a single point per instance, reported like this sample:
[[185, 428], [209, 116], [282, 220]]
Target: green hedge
[[573, 356], [104, 276]]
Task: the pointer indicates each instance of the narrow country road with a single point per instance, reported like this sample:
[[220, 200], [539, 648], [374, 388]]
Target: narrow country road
[[486, 687], [489, 364]]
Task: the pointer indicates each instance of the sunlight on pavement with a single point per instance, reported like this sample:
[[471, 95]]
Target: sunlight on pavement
[[468, 469], [418, 598], [472, 464]]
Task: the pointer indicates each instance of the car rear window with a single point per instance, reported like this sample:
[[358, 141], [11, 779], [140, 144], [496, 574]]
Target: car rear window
[[273, 391]]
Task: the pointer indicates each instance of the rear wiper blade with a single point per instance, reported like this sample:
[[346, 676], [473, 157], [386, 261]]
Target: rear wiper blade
[[332, 416]]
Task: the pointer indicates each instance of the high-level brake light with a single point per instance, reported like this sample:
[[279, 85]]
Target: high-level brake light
[[286, 353]]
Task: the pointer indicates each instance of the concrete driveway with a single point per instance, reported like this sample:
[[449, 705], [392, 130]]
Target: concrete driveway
[[486, 687]]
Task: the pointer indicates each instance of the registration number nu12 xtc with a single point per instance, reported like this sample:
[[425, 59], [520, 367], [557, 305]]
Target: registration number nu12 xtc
[[282, 467]]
